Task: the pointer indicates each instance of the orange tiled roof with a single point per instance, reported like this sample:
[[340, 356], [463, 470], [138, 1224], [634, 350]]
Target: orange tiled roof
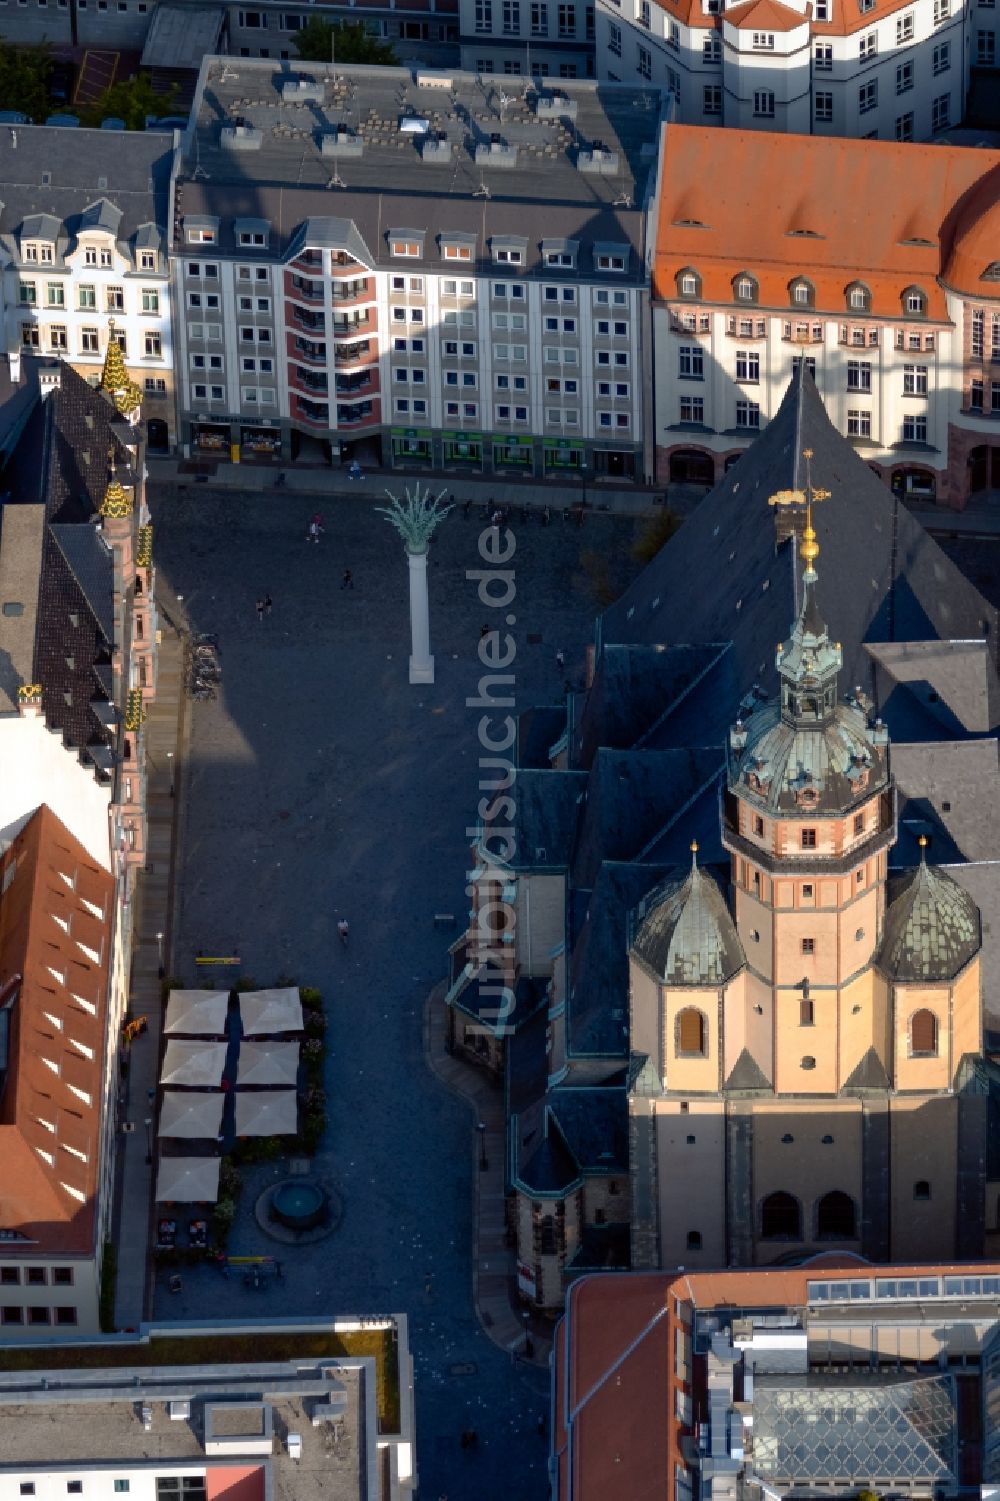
[[764, 15], [975, 241], [689, 13], [55, 932], [846, 16], [826, 208]]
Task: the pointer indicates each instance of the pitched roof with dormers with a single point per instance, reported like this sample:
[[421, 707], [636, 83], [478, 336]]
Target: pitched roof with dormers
[[838, 212], [55, 935]]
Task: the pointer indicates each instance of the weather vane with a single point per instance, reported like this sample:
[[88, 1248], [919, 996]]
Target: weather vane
[[808, 497]]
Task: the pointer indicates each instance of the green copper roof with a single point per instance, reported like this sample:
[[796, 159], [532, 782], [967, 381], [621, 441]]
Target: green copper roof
[[931, 928], [684, 934]]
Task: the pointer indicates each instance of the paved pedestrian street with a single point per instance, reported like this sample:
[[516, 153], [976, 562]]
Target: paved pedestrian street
[[321, 785]]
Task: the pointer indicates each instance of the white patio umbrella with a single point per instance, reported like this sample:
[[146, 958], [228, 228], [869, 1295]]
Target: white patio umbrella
[[186, 1113], [195, 1064], [269, 1112], [188, 1180], [271, 1011], [268, 1063], [196, 1013]]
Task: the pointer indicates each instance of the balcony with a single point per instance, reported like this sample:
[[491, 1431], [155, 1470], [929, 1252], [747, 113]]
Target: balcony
[[311, 382], [314, 413], [359, 414], [746, 328], [302, 289], [314, 323], [341, 261], [362, 383], [307, 349], [362, 351], [357, 290], [347, 328], [308, 262]]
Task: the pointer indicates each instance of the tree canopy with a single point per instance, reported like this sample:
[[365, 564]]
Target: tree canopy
[[315, 43], [130, 100], [24, 80]]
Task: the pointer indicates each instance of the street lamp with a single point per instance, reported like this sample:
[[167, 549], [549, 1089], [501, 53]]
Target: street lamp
[[148, 1123], [159, 950], [529, 1346], [483, 1163], [170, 768]]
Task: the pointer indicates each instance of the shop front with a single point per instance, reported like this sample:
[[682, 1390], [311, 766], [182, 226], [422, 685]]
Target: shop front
[[211, 437], [412, 445], [510, 452], [614, 463], [260, 442], [564, 454], [463, 449]]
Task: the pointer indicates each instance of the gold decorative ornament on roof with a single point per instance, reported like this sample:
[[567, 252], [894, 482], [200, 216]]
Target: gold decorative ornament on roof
[[117, 500], [29, 693], [135, 709], [144, 547], [808, 497], [115, 379]]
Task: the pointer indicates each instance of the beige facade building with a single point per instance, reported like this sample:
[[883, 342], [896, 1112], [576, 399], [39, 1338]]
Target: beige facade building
[[802, 1058]]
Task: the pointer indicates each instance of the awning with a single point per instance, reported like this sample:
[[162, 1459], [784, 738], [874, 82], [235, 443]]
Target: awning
[[268, 1063], [194, 1064], [184, 1113], [196, 1012], [271, 1011], [271, 1112], [188, 1180]]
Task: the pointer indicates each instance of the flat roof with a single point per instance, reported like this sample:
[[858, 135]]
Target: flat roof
[[417, 146], [105, 1419]]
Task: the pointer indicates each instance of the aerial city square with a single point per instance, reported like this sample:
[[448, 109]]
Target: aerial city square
[[499, 777]]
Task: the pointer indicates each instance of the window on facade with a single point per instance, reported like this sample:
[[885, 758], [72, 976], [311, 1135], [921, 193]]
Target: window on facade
[[780, 1217], [859, 423], [914, 429], [940, 112], [915, 301], [693, 409], [904, 126], [868, 97], [904, 78], [691, 1034], [690, 362], [763, 104], [868, 46], [859, 375], [806, 1014], [823, 106], [835, 1217], [808, 837], [808, 945], [904, 28], [694, 1240], [748, 366], [712, 99], [921, 1189], [747, 414], [923, 1034], [915, 380], [859, 299], [566, 19]]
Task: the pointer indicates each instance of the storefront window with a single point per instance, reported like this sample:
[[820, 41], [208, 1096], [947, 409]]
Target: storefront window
[[261, 442], [210, 437]]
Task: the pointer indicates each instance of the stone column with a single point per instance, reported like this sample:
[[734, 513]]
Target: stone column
[[421, 661]]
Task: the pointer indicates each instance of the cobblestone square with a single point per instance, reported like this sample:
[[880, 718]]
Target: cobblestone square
[[322, 785]]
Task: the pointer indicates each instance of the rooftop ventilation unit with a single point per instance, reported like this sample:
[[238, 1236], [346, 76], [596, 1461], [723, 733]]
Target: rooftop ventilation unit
[[240, 137], [147, 1418], [555, 106], [599, 159], [413, 125], [180, 1410], [294, 1442], [434, 81], [498, 153], [341, 143], [301, 91], [436, 150]]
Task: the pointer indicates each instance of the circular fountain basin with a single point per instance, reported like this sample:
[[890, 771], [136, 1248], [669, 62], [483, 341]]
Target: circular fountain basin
[[299, 1206]]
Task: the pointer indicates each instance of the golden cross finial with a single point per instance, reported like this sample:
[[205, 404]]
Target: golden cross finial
[[808, 497]]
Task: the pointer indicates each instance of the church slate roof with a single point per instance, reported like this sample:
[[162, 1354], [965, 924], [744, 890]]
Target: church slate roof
[[882, 577], [546, 813], [598, 981], [684, 934], [932, 928]]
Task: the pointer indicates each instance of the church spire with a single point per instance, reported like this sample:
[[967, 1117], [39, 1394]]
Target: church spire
[[808, 663], [115, 379]]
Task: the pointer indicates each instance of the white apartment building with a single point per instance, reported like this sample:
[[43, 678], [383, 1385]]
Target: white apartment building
[[96, 256], [530, 38], [877, 69], [897, 318], [435, 274]]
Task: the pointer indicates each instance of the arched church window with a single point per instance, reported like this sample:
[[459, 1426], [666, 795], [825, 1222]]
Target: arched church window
[[691, 1034], [781, 1217], [835, 1218], [923, 1034]]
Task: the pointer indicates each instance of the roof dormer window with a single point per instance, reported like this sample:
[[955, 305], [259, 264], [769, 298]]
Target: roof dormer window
[[859, 298], [688, 283], [745, 288], [992, 272], [803, 293], [915, 301]]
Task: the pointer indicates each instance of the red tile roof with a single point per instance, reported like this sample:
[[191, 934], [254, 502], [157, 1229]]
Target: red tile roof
[[828, 209], [55, 932], [764, 15]]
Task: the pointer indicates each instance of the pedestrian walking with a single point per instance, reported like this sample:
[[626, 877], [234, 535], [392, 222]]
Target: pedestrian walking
[[312, 535], [318, 520], [347, 582], [342, 929], [260, 609], [268, 603], [560, 660]]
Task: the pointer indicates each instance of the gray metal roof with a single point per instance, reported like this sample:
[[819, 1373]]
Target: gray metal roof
[[684, 934], [287, 178], [61, 173], [932, 927], [92, 566], [180, 36]]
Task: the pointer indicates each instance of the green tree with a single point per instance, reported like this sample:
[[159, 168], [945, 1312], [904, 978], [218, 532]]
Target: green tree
[[130, 100], [315, 41], [24, 80]]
